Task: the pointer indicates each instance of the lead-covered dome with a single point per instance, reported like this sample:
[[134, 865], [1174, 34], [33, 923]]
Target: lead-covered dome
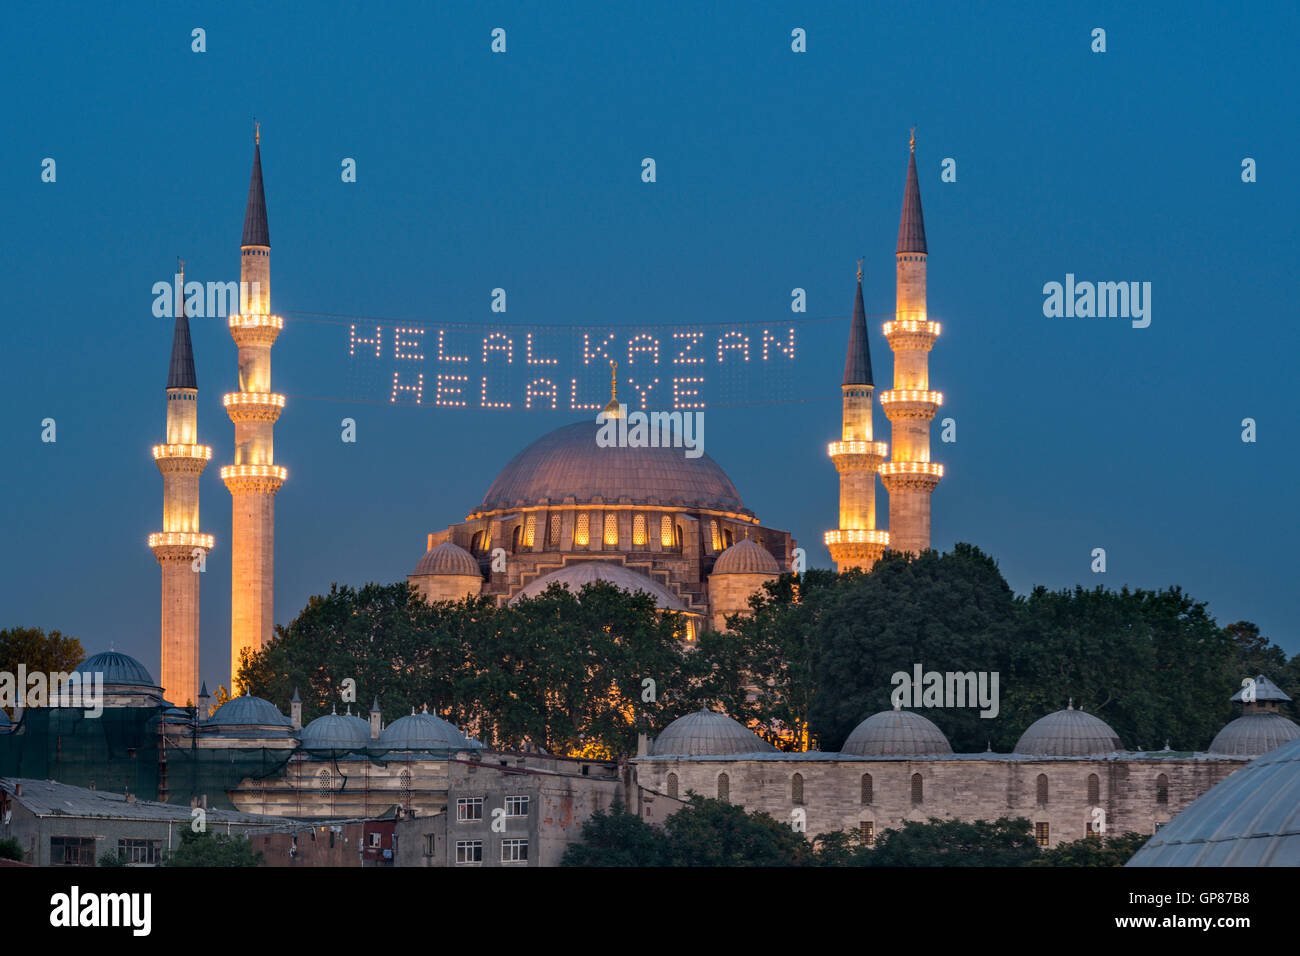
[[568, 462], [575, 576], [117, 668], [336, 733], [448, 558], [249, 716], [707, 733], [746, 557], [423, 731], [1253, 734], [1068, 733], [897, 733]]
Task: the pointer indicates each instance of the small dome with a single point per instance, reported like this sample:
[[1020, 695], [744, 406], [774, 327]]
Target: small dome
[[707, 732], [897, 733], [746, 557], [117, 669], [1250, 819], [423, 731], [447, 558], [246, 712], [1068, 733], [574, 576], [1253, 734], [337, 733]]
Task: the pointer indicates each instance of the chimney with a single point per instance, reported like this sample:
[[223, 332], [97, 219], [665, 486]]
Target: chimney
[[295, 710], [374, 720], [18, 789], [642, 745]]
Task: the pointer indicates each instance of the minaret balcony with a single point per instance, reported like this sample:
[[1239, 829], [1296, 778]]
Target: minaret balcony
[[255, 329], [254, 479], [182, 459], [857, 548], [857, 455], [918, 475], [857, 536], [253, 406], [181, 539], [899, 403], [911, 335]]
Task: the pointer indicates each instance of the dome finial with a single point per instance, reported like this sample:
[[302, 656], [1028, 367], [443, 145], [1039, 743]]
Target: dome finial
[[612, 409], [257, 132], [911, 141], [859, 270]]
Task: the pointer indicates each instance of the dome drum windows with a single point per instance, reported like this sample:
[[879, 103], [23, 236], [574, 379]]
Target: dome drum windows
[[639, 539], [553, 537], [610, 536], [582, 530]]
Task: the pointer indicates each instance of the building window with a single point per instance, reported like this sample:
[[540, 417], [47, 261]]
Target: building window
[[406, 789], [713, 533], [530, 530], [666, 531], [724, 787], [1162, 789], [796, 788], [867, 830], [866, 788], [144, 852], [638, 531], [469, 852], [323, 782], [374, 838], [1042, 833], [582, 530], [918, 788], [555, 529], [1042, 790], [672, 785], [1094, 790], [678, 538], [469, 808], [514, 540], [514, 851], [611, 529], [72, 851], [727, 540], [516, 806]]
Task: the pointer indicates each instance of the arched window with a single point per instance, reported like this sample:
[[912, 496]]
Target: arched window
[[796, 788], [555, 529], [406, 789], [678, 539], [724, 787], [672, 785], [1042, 789], [323, 781], [918, 788], [726, 538], [638, 531], [713, 533], [866, 788], [1094, 790], [514, 540], [611, 529], [1162, 789], [582, 530], [666, 531], [530, 530]]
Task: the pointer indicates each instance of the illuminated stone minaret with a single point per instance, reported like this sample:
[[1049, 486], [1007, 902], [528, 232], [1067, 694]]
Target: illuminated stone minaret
[[857, 457], [181, 548], [254, 478], [910, 476]]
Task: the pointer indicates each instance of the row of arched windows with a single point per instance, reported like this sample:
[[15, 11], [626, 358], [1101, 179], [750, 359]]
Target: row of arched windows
[[586, 527]]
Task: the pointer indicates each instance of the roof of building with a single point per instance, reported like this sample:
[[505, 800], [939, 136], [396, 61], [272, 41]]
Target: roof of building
[[897, 733], [249, 711], [1068, 733], [47, 798], [746, 557], [825, 756], [256, 230], [1265, 689], [567, 462], [447, 558], [423, 731], [574, 576], [117, 668], [1253, 734], [708, 732], [857, 362], [911, 225], [1250, 819], [180, 370], [336, 733]]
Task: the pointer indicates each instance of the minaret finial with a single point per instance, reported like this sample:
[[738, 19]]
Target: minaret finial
[[180, 268], [611, 410], [859, 270], [257, 132], [911, 142]]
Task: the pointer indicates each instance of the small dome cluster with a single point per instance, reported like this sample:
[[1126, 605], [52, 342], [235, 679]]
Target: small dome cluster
[[746, 557], [708, 733], [897, 733], [423, 731], [1069, 733], [448, 558], [335, 734], [250, 717], [117, 669]]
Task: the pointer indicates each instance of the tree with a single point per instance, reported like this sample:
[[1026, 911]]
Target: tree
[[711, 832], [616, 837], [1004, 842], [52, 653], [206, 849], [110, 858], [1093, 851], [11, 849]]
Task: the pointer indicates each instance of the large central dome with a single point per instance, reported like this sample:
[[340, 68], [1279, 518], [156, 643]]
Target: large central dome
[[568, 462]]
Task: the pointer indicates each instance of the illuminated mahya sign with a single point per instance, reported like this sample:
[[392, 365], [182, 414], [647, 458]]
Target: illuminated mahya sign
[[563, 368]]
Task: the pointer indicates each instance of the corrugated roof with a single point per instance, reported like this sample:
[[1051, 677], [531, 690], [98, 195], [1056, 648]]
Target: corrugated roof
[[47, 798]]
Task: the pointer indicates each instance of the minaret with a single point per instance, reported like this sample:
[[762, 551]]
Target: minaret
[[181, 548], [909, 476], [254, 478], [857, 543]]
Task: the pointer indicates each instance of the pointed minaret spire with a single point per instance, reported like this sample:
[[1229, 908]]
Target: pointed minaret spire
[[911, 226], [180, 373], [857, 363], [256, 231]]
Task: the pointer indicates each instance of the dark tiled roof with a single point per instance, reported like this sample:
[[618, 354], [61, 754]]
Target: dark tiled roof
[[256, 231], [568, 462], [857, 363], [911, 226], [180, 372]]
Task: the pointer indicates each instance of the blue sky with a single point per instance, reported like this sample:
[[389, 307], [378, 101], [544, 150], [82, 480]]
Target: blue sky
[[775, 170]]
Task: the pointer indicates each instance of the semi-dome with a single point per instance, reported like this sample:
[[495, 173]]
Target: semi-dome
[[447, 558], [1068, 733], [568, 462], [746, 557], [1250, 819], [574, 576], [1253, 734], [897, 733], [336, 733], [117, 668], [248, 713], [422, 731], [708, 733]]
